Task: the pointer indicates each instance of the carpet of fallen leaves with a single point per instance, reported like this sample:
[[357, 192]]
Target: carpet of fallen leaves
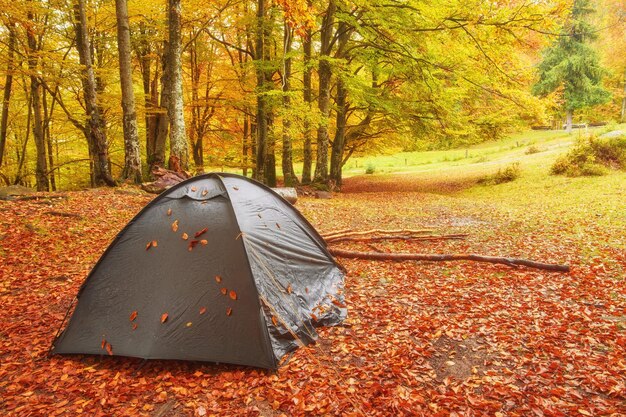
[[441, 339]]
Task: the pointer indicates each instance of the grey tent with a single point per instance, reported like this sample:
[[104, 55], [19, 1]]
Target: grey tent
[[218, 268]]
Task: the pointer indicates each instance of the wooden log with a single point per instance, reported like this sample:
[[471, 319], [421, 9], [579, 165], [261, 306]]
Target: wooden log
[[394, 237], [288, 193], [377, 256]]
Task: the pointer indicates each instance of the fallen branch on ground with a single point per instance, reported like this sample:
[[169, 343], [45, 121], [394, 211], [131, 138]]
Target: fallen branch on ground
[[63, 214], [350, 233], [377, 256], [393, 237]]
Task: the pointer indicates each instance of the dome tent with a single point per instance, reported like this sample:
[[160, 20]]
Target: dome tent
[[218, 268]]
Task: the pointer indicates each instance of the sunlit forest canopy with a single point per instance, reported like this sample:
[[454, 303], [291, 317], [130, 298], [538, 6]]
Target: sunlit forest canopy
[[100, 91]]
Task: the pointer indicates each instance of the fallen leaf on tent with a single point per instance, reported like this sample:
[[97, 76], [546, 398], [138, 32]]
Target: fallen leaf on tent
[[229, 311], [204, 242], [223, 291], [154, 244], [274, 321], [109, 349], [149, 244], [193, 189], [218, 278], [175, 226], [313, 316], [104, 342], [278, 225], [133, 315], [236, 188], [134, 326], [202, 310], [289, 289], [185, 236], [306, 290], [201, 232], [169, 212], [192, 244], [189, 324], [204, 192], [339, 304], [163, 317], [232, 294]]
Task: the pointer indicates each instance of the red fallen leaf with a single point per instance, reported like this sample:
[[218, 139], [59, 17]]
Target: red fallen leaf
[[274, 321], [223, 291], [192, 244], [229, 311], [218, 279], [169, 211], [134, 326], [339, 303], [163, 317], [185, 236], [133, 315], [109, 349], [289, 289], [104, 342], [201, 232], [149, 244], [202, 310], [232, 294], [175, 226], [313, 316], [306, 290]]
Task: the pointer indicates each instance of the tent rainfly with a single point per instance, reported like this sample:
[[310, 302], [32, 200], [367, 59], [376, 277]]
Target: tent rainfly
[[218, 268]]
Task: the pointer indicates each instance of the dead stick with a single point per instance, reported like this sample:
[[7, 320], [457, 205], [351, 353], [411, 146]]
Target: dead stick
[[393, 237], [332, 235], [374, 256]]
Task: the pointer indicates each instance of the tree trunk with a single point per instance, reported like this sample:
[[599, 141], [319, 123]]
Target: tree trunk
[[179, 147], [47, 118], [623, 114], [132, 158], [307, 89], [8, 84], [244, 148], [95, 133], [324, 74], [261, 98], [289, 176], [194, 132], [336, 156], [568, 120], [41, 170], [162, 120]]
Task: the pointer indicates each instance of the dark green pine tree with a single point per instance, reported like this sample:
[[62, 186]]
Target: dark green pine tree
[[571, 64]]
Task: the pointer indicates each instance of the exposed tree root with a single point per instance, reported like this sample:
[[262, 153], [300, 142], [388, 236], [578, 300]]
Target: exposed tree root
[[333, 240]]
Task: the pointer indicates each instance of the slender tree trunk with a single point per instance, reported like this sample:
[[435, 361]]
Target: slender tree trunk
[[324, 74], [261, 99], [179, 147], [151, 97], [47, 118], [568, 120], [244, 148], [41, 170], [95, 131], [8, 84], [336, 156], [132, 157], [623, 114], [289, 176], [307, 154], [162, 120]]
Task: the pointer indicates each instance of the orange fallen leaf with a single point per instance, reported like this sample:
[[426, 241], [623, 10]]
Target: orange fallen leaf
[[289, 289], [185, 236], [232, 294], [175, 226], [133, 315], [274, 321], [229, 311], [134, 326], [189, 324], [338, 303], [204, 242], [109, 349], [154, 244], [163, 317], [149, 245], [313, 316], [201, 232], [169, 211], [202, 310], [104, 342], [218, 278], [204, 192], [193, 189], [223, 291]]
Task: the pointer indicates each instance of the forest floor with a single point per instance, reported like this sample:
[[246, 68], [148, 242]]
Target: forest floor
[[441, 339]]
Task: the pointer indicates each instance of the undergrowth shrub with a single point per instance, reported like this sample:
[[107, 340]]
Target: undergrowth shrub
[[370, 169], [532, 149], [509, 173], [592, 157]]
